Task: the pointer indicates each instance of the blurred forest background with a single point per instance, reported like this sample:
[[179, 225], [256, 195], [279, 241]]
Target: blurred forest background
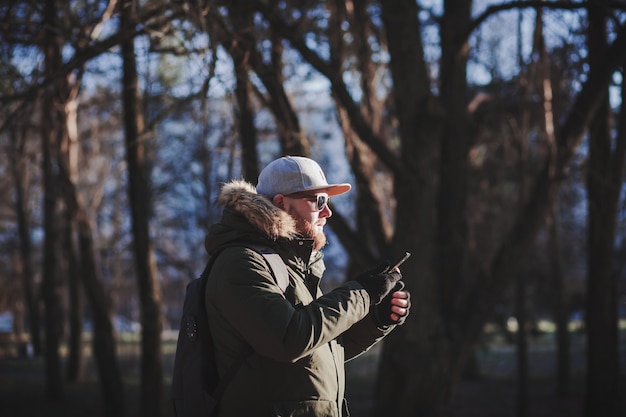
[[488, 138]]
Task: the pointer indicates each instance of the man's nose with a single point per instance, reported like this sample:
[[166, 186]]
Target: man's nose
[[326, 211]]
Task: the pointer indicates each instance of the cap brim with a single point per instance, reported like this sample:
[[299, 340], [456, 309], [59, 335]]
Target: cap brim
[[332, 189]]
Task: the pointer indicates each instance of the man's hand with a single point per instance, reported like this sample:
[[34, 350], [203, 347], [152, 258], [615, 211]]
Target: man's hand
[[379, 281], [394, 308]]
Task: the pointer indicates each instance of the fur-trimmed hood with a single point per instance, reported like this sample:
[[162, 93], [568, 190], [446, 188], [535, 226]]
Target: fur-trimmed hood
[[273, 222]]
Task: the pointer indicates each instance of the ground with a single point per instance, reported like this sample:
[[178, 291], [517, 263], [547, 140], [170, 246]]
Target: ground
[[22, 389], [496, 398], [22, 394]]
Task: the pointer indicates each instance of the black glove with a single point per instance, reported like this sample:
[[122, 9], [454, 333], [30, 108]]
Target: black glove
[[379, 281], [382, 311]]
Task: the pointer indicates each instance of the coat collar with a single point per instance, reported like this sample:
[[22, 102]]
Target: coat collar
[[271, 221], [253, 218]]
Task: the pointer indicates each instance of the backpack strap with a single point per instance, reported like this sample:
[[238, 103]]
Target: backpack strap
[[277, 266]]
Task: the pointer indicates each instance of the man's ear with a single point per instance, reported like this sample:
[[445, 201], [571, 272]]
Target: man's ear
[[279, 201]]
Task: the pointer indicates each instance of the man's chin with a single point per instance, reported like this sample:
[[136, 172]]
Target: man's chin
[[319, 237], [315, 232], [319, 241]]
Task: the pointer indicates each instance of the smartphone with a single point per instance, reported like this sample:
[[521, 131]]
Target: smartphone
[[401, 260]]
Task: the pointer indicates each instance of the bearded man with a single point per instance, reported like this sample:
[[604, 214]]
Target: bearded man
[[299, 337]]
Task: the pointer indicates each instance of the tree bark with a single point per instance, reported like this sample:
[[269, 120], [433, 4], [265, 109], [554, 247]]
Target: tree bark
[[104, 342], [521, 344], [292, 139], [152, 398], [245, 124], [18, 170], [373, 189], [242, 17], [50, 132], [553, 228], [415, 370], [75, 359], [604, 182], [79, 229], [563, 366]]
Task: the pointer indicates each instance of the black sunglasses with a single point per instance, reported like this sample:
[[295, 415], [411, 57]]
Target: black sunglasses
[[320, 200]]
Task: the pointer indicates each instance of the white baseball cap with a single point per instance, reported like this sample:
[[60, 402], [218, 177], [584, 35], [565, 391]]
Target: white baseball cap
[[293, 174]]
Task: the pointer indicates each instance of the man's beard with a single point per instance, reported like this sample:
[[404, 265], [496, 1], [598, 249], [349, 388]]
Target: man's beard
[[308, 231]]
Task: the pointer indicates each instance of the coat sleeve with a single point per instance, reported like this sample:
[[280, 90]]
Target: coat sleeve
[[243, 292], [362, 336]]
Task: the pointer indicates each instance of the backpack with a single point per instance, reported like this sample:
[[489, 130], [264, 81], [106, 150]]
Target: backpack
[[196, 386]]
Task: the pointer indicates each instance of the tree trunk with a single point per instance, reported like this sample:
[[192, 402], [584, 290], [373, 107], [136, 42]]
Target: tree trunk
[[521, 344], [415, 371], [531, 82], [435, 358], [604, 182], [18, 161], [560, 304], [245, 124], [152, 398], [103, 342], [241, 50], [369, 217], [49, 284], [292, 139], [50, 280], [601, 314], [455, 144], [75, 359], [374, 192], [544, 84]]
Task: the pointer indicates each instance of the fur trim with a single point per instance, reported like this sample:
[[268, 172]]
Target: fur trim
[[272, 221]]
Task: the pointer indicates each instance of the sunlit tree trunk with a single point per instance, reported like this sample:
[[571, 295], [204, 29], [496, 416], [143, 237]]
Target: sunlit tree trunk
[[75, 359], [83, 272], [152, 395], [544, 81], [531, 81], [604, 182]]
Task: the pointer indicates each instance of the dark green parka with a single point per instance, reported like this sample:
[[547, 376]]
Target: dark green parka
[[301, 338]]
